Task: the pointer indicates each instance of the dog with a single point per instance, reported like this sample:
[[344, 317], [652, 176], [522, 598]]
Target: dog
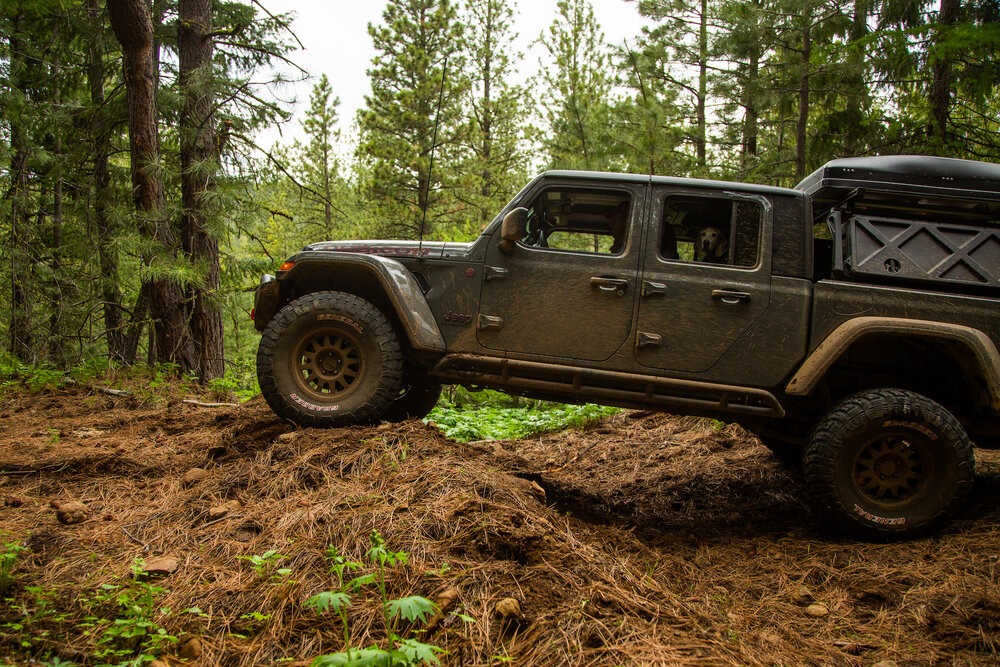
[[711, 246]]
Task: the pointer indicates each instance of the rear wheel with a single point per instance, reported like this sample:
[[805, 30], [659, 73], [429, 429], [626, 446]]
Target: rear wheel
[[889, 464], [329, 359]]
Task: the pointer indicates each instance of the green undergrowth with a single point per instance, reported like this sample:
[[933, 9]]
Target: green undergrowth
[[488, 415], [461, 414], [148, 384]]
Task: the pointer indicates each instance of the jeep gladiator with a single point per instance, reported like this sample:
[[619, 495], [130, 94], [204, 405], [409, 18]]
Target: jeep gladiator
[[851, 322]]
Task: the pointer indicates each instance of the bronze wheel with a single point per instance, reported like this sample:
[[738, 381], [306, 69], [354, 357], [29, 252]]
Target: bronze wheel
[[329, 364], [890, 470]]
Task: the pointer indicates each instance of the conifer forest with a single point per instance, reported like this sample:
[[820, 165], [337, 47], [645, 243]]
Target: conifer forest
[[139, 205]]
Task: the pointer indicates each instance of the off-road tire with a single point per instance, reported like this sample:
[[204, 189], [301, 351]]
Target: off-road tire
[[418, 396], [329, 359], [888, 464]]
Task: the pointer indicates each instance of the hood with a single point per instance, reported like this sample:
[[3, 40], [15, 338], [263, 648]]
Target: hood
[[426, 249]]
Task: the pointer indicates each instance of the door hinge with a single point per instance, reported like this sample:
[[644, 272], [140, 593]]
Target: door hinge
[[650, 288], [495, 273], [490, 322], [648, 340]]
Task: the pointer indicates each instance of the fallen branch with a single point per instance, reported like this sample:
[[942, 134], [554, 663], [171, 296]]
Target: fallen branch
[[210, 405], [114, 392]]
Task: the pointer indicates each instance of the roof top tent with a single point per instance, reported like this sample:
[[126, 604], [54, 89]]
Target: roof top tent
[[927, 221], [913, 185]]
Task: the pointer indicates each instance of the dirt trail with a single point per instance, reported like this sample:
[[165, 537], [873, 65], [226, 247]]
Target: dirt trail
[[642, 540]]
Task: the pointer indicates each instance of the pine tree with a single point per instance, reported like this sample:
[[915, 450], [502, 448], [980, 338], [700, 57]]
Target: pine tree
[[648, 124], [318, 179], [412, 119], [199, 165], [497, 164], [680, 43], [577, 110]]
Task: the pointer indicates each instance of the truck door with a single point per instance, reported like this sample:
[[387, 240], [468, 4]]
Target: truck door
[[568, 289], [705, 277]]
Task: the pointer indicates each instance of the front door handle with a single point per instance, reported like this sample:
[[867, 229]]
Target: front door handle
[[730, 296], [618, 285]]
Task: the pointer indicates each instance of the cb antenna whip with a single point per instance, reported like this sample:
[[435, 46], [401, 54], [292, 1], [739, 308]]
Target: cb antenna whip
[[430, 168]]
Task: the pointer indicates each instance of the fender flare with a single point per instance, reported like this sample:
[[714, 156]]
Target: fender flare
[[395, 281], [840, 340]]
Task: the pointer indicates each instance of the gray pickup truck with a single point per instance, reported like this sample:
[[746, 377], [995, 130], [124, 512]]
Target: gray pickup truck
[[851, 322]]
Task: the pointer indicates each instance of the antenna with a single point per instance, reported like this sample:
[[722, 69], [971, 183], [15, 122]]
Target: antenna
[[430, 168]]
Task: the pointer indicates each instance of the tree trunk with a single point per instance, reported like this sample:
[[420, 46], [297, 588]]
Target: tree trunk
[[101, 142], [941, 71], [132, 23], [21, 342], [751, 121], [56, 341], [803, 119], [857, 87], [198, 168], [701, 139]]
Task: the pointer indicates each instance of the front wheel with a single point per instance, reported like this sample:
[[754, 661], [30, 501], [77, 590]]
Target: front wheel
[[889, 464], [329, 359]]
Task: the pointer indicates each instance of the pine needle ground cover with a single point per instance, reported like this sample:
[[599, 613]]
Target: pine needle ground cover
[[133, 531]]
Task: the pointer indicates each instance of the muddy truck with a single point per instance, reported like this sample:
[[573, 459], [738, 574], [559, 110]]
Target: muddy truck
[[851, 322]]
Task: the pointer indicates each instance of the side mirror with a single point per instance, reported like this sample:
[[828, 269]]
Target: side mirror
[[513, 229]]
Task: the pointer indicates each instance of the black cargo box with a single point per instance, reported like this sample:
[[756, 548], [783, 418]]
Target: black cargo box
[[927, 221], [909, 177]]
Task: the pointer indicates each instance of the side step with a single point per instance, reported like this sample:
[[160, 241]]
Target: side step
[[609, 387]]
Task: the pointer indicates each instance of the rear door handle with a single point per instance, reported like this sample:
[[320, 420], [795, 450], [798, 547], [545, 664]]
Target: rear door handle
[[618, 285], [730, 296]]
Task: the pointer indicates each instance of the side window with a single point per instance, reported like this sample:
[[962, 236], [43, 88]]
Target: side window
[[711, 230], [579, 220]]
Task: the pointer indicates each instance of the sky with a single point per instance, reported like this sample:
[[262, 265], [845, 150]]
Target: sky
[[334, 34]]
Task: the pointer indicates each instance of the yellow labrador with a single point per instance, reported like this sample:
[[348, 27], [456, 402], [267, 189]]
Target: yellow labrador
[[712, 246]]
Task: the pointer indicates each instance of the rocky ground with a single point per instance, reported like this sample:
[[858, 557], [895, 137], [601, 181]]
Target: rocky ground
[[644, 539]]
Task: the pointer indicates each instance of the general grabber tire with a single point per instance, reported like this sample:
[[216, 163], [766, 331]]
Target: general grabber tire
[[888, 464], [329, 359], [417, 397]]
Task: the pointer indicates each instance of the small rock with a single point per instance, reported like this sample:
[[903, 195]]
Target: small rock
[[219, 511], [290, 436], [161, 566], [801, 595], [191, 649], [193, 476], [14, 501], [817, 610], [70, 512], [885, 663], [508, 608]]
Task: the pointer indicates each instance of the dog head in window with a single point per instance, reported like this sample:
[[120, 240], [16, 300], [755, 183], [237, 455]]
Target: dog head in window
[[711, 245]]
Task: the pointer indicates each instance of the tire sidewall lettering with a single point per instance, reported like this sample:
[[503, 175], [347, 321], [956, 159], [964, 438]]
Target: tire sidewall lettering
[[312, 406], [336, 317], [879, 520], [920, 428]]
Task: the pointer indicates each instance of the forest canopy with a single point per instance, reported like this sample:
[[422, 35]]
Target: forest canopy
[[138, 207]]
